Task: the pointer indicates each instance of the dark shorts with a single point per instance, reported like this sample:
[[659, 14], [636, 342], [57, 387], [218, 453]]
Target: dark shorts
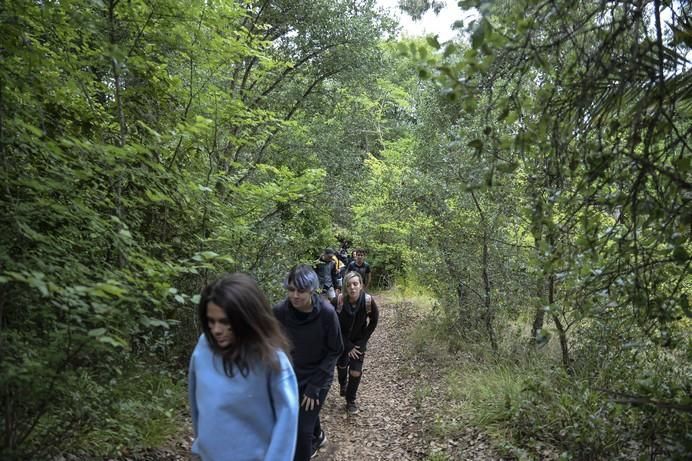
[[352, 364]]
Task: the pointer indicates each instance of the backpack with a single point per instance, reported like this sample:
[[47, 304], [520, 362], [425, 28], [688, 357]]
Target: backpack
[[368, 303], [337, 263]]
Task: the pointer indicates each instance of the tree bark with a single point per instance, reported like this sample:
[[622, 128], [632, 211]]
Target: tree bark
[[488, 312], [561, 331]]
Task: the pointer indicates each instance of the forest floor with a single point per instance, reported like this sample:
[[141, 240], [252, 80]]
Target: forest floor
[[402, 406], [397, 418]]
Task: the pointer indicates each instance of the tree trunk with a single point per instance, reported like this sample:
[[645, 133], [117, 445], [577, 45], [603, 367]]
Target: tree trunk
[[537, 336], [122, 135], [561, 331], [489, 314]]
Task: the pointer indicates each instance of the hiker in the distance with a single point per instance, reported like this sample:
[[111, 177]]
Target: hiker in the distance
[[328, 274], [359, 265], [312, 326], [345, 259], [242, 387], [358, 316]]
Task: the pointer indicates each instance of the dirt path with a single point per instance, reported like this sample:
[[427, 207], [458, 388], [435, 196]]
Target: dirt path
[[395, 419]]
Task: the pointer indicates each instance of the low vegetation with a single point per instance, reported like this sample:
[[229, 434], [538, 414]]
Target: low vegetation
[[534, 409]]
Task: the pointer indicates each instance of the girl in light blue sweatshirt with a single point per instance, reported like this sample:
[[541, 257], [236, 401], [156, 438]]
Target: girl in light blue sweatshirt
[[242, 388]]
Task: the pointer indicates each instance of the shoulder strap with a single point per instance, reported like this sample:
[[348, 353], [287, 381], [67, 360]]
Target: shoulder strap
[[368, 303]]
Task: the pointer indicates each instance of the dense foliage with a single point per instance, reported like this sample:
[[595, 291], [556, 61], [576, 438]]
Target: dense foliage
[[144, 149], [549, 179], [532, 175]]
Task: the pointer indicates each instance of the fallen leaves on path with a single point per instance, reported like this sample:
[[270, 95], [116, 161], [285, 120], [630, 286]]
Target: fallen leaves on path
[[394, 422]]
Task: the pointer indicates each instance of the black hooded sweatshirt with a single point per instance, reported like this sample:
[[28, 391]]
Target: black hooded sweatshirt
[[316, 343]]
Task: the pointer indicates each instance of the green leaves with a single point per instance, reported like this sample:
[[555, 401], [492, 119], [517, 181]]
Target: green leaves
[[476, 144], [432, 41], [96, 332]]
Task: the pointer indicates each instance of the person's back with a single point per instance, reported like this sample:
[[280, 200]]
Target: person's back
[[325, 267], [344, 260]]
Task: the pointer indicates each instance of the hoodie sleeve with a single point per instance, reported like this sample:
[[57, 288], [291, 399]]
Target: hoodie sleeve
[[334, 346], [284, 394], [373, 318], [192, 396]]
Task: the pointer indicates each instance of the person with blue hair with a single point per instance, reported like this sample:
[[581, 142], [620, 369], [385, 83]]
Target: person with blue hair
[[312, 326], [242, 389]]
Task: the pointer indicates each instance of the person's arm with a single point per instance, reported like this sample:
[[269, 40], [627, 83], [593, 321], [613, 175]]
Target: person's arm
[[284, 395], [373, 318], [334, 345], [316, 268], [335, 277], [367, 275], [192, 396]]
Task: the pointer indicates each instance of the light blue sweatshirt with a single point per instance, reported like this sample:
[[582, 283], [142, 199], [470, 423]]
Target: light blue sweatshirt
[[243, 418]]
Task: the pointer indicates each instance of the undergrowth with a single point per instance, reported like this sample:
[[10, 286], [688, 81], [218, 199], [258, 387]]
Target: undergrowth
[[533, 409], [149, 410]]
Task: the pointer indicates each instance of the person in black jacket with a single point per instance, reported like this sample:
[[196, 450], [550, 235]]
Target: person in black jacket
[[328, 275], [359, 265], [358, 316], [312, 327]]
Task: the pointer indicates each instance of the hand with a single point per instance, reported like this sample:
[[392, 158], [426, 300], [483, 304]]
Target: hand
[[355, 353], [309, 404]]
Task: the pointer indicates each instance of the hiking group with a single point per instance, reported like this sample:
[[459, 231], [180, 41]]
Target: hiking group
[[259, 375]]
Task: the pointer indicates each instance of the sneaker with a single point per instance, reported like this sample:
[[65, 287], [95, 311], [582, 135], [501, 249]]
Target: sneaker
[[351, 408], [319, 443], [321, 440], [342, 390]]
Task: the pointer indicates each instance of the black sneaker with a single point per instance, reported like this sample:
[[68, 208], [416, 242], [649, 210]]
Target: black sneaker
[[321, 440], [351, 408], [342, 390], [319, 443]]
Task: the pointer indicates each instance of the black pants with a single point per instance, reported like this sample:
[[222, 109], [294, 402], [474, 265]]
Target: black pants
[[309, 428], [345, 361], [344, 366]]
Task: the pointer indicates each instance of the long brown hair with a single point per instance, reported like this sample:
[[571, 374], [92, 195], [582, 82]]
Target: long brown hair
[[257, 334]]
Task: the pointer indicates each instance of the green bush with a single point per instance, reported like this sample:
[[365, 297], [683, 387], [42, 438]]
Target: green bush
[[534, 409], [147, 409], [583, 423]]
